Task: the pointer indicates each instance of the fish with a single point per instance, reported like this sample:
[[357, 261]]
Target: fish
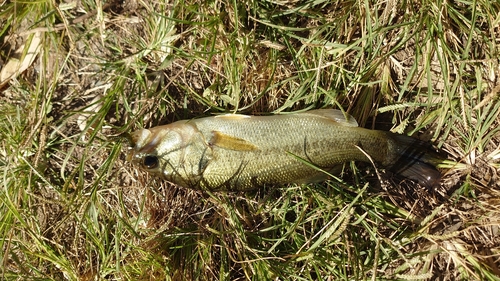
[[235, 152]]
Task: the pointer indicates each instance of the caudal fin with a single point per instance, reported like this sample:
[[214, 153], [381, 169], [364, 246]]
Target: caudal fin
[[416, 160]]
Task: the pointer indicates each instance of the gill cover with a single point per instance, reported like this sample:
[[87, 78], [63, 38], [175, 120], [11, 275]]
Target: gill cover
[[177, 152]]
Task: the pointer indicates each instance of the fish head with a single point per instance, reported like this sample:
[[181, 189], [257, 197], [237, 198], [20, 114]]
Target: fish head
[[158, 150]]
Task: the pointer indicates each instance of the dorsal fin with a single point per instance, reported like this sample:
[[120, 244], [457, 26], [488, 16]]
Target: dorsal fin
[[233, 116], [230, 142], [336, 115]]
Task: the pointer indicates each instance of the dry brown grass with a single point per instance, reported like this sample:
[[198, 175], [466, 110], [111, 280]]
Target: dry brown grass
[[73, 208]]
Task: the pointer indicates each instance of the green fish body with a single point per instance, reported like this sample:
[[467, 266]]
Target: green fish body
[[239, 152]]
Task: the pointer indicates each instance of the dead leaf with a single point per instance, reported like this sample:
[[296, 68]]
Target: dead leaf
[[22, 58]]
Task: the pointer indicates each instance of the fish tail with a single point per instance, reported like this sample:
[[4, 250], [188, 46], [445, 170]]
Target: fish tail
[[415, 160]]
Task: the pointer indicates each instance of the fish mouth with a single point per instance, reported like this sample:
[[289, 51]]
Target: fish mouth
[[130, 154], [141, 143], [131, 149], [131, 140]]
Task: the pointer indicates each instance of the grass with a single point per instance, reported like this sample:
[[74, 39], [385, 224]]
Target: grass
[[73, 208]]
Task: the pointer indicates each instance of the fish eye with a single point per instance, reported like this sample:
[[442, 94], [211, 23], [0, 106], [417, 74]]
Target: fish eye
[[150, 162]]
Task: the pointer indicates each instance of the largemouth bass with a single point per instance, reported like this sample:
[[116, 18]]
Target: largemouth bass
[[239, 152]]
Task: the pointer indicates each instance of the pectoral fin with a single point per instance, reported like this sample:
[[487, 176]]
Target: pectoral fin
[[230, 142]]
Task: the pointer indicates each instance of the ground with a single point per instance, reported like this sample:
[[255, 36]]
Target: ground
[[75, 77]]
